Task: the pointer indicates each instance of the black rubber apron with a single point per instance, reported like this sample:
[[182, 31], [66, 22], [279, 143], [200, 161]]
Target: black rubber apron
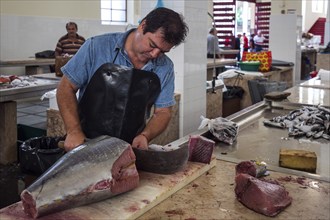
[[117, 100]]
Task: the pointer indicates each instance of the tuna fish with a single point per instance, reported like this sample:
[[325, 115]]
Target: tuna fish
[[261, 196], [200, 149], [99, 169]]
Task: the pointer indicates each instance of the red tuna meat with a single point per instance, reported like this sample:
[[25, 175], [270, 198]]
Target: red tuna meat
[[200, 149], [263, 197]]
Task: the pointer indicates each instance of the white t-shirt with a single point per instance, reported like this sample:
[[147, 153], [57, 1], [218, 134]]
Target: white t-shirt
[[258, 40]]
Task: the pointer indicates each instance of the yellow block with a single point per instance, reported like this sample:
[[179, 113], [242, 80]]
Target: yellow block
[[298, 160]]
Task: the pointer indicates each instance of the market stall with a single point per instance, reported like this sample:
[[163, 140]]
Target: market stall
[[9, 94]]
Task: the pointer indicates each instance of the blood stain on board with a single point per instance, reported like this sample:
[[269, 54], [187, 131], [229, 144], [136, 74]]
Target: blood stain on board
[[175, 212], [146, 201], [132, 208]]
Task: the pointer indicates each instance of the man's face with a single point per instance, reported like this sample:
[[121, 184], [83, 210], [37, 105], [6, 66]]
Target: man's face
[[150, 45], [71, 29]]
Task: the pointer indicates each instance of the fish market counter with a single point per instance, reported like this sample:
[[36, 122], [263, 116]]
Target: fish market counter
[[36, 87], [309, 95], [218, 63], [316, 83], [278, 74], [206, 191], [210, 195], [32, 65], [203, 191]]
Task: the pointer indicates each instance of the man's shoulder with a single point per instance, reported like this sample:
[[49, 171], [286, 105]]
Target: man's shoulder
[[64, 37], [80, 37], [111, 38], [163, 62], [108, 35]]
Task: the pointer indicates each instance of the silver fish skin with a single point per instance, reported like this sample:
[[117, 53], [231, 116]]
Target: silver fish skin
[[99, 169]]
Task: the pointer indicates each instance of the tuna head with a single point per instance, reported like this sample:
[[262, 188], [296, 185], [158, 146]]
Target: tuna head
[[97, 170]]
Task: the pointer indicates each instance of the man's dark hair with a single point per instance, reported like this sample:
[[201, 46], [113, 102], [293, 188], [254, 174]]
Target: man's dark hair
[[71, 23], [211, 30], [170, 23]]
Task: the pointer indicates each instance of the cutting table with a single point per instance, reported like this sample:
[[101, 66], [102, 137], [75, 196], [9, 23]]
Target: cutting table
[[32, 65]]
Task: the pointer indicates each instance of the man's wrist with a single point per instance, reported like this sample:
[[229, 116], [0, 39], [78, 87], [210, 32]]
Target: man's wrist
[[146, 136]]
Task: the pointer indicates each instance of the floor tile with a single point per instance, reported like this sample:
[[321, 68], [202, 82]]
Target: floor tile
[[24, 104], [30, 119], [21, 114], [42, 114], [32, 109]]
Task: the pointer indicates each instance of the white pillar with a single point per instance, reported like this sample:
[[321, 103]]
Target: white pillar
[[189, 60]]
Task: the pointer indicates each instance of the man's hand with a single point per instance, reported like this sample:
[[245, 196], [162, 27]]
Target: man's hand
[[73, 140], [156, 125], [140, 141]]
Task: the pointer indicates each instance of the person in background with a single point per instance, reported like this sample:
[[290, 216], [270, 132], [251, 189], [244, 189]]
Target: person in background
[[245, 43], [258, 41], [237, 46], [71, 42], [119, 77], [213, 49], [251, 43], [229, 40]]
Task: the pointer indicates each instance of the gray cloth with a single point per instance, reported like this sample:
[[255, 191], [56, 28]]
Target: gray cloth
[[212, 44]]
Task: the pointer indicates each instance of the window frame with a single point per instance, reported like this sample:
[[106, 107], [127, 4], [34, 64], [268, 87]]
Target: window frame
[[110, 10], [317, 6]]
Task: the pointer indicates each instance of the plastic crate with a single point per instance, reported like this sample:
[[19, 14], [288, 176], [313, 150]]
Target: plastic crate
[[249, 66]]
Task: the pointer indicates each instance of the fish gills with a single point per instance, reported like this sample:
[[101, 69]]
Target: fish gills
[[99, 169]]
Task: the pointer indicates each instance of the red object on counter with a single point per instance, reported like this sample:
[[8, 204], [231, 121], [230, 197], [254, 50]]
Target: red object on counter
[[313, 74], [4, 80]]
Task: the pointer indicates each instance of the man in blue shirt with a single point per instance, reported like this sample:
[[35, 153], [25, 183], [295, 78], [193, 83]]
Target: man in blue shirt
[[142, 49]]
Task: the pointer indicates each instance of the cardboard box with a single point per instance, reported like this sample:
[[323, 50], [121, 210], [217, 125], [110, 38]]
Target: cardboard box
[[59, 62]]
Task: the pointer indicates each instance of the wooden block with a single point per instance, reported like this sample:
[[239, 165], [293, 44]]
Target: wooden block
[[298, 160], [214, 103], [33, 70], [55, 124], [59, 62], [8, 132]]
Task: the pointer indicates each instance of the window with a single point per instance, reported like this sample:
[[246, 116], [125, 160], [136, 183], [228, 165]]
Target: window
[[113, 11], [317, 6]]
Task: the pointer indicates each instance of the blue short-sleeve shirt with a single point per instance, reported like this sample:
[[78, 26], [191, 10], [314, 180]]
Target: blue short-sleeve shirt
[[109, 48]]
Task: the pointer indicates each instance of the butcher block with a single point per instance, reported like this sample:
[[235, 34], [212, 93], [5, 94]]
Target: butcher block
[[152, 189]]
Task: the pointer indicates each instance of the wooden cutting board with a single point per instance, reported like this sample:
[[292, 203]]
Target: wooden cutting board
[[153, 189]]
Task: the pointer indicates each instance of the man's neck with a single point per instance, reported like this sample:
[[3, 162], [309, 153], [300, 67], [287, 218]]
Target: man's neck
[[132, 54]]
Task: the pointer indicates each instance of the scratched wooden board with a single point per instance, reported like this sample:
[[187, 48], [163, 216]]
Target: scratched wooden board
[[153, 189]]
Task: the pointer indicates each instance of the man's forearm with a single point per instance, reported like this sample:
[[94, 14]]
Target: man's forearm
[[158, 123], [68, 105]]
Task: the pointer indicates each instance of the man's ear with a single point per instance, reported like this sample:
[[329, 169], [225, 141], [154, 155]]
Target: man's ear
[[142, 25]]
